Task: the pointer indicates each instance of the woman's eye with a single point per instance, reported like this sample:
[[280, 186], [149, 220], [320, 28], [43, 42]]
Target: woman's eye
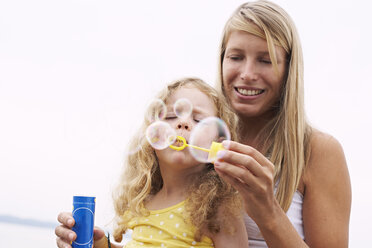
[[196, 120], [170, 117], [265, 61]]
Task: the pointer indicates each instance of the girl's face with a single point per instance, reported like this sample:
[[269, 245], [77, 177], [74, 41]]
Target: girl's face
[[203, 107], [249, 79]]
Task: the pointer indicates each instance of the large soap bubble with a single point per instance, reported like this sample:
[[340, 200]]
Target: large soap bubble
[[160, 135], [206, 134], [157, 110], [182, 108]]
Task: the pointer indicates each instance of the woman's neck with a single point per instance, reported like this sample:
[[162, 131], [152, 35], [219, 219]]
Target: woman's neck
[[252, 131]]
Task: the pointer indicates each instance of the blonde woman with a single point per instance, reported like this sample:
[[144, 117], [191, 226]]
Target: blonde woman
[[168, 198], [293, 178]]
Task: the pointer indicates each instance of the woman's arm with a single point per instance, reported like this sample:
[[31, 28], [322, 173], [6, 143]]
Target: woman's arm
[[237, 239], [327, 196], [327, 200], [252, 174]]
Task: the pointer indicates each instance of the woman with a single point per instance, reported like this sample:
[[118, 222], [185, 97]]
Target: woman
[[292, 177]]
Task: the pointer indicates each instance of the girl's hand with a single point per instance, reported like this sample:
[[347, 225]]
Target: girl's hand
[[65, 235], [252, 174]]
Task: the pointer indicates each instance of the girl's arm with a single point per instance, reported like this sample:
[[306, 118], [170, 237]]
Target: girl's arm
[[327, 195], [237, 239]]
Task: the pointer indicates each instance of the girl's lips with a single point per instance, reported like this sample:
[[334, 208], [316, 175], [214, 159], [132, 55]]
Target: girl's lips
[[179, 143]]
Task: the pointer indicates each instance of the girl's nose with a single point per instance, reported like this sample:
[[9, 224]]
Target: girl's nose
[[184, 125]]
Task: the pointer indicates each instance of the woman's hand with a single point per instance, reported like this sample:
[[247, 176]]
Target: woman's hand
[[252, 174], [65, 235]]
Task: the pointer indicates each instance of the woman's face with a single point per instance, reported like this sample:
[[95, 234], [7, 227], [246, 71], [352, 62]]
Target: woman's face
[[249, 79]]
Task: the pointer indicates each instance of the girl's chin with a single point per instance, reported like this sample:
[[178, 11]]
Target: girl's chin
[[183, 160], [181, 157]]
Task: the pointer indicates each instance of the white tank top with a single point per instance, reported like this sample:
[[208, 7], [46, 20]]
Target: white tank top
[[294, 214]]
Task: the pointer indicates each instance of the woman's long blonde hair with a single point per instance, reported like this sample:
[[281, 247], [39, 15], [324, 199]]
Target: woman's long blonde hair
[[288, 132], [141, 177]]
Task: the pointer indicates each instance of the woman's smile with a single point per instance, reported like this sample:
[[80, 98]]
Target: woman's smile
[[248, 93]]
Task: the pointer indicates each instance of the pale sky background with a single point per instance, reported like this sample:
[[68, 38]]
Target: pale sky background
[[75, 77]]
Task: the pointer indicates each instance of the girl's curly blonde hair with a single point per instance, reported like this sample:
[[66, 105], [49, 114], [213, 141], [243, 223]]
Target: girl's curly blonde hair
[[141, 177]]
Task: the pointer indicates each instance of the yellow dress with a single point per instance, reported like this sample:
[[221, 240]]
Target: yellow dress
[[165, 228]]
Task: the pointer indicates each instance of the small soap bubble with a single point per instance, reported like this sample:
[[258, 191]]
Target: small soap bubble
[[209, 130], [160, 135], [156, 110], [183, 108]]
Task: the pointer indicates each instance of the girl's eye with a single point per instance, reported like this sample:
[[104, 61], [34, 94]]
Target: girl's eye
[[171, 117], [198, 118], [235, 57]]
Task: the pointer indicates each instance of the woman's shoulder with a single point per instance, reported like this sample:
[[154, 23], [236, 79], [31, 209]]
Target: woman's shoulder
[[326, 157], [323, 145], [320, 140]]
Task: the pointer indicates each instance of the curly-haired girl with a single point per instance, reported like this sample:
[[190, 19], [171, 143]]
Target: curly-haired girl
[[167, 197]]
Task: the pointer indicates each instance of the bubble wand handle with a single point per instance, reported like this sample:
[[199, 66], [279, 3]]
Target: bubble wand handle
[[199, 148], [184, 144], [212, 152]]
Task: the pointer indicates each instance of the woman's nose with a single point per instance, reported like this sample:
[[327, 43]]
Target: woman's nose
[[248, 71]]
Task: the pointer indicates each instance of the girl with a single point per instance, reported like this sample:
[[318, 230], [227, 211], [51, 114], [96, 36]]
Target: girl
[[160, 188], [167, 197]]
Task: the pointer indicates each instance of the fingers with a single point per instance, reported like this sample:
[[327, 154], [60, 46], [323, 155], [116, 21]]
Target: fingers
[[66, 219], [249, 186], [240, 160], [238, 184], [245, 168], [100, 239], [235, 175], [64, 234], [250, 172], [98, 233], [250, 151], [63, 244]]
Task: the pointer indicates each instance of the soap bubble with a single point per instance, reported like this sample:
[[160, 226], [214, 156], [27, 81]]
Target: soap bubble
[[183, 108], [209, 130], [160, 135], [156, 110]]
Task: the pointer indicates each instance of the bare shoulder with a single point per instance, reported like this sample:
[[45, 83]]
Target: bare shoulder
[[327, 165], [327, 193], [326, 154]]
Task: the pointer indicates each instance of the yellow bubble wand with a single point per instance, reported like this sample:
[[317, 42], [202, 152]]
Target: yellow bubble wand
[[212, 151]]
